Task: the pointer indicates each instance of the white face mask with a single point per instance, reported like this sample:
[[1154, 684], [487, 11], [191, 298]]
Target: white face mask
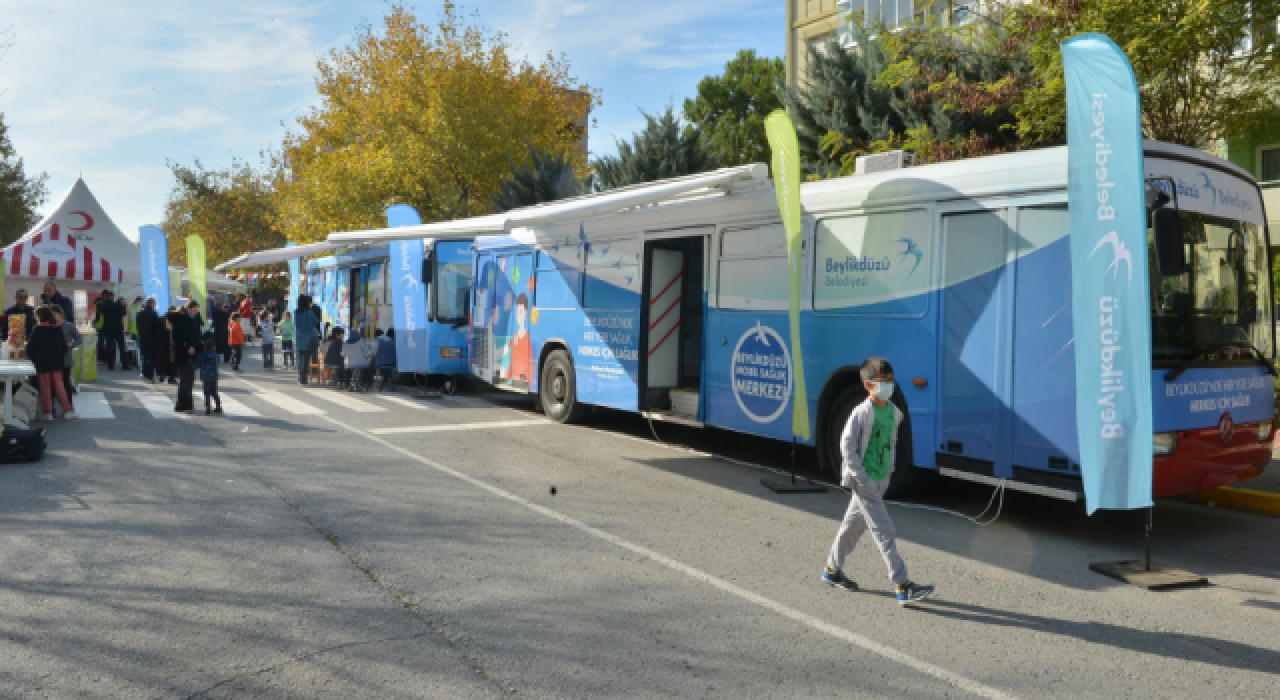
[[883, 390]]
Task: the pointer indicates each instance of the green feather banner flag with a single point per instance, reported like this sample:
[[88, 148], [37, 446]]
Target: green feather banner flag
[[196, 269], [786, 182]]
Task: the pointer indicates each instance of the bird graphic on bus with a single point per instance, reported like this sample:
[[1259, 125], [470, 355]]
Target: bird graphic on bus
[[912, 249], [582, 239]]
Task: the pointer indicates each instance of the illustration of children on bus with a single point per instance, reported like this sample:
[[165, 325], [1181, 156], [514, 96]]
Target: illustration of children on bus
[[519, 351]]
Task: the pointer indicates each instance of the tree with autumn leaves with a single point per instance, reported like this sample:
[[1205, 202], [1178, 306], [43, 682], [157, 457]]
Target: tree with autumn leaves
[[434, 116], [430, 116]]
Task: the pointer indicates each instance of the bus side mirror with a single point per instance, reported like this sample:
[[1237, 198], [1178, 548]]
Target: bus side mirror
[[1171, 256]]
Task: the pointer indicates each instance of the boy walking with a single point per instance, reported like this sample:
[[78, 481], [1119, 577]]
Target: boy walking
[[266, 327], [207, 361], [868, 446]]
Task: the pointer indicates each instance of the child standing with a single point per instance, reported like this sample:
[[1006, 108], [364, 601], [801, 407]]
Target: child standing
[[286, 339], [47, 349], [868, 446], [207, 361], [267, 329], [235, 340]]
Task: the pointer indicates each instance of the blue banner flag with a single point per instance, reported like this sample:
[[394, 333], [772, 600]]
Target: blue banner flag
[[295, 277], [154, 249], [1110, 289], [409, 294]]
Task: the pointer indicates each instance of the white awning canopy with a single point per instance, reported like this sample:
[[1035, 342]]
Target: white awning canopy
[[581, 207], [276, 255], [475, 226]]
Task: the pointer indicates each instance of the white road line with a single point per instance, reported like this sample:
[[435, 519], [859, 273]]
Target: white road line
[[234, 408], [92, 405], [420, 405], [160, 406], [803, 618], [458, 426], [349, 402], [288, 403]]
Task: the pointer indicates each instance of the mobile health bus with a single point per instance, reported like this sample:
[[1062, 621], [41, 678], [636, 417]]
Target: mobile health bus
[[672, 301]]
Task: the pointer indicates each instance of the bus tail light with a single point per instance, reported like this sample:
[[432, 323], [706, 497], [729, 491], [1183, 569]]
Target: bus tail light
[[1164, 444], [450, 353], [1264, 430]]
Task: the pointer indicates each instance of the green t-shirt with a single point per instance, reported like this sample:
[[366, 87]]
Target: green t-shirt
[[286, 330], [876, 460]]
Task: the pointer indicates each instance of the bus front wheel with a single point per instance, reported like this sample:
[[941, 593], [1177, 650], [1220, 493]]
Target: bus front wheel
[[559, 390]]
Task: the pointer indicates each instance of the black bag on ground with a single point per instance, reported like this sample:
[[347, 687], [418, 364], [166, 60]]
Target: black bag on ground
[[21, 445]]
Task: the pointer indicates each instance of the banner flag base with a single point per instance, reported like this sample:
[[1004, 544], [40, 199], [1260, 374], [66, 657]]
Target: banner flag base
[[1157, 578]]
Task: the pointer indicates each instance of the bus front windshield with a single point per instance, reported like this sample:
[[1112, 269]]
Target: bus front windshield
[[1220, 307]]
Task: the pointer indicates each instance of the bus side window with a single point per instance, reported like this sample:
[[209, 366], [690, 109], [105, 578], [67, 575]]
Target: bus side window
[[753, 269], [559, 283], [613, 275]]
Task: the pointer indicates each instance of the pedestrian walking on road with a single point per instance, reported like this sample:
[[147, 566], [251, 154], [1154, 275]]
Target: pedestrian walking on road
[[286, 339], [207, 361], [235, 340], [47, 350], [385, 359], [71, 334], [166, 370], [186, 345], [266, 329], [868, 447], [306, 335], [114, 314]]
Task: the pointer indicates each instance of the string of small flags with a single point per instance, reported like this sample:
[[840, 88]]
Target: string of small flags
[[252, 277]]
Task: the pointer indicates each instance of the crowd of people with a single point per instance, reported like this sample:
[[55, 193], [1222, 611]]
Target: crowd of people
[[172, 347]]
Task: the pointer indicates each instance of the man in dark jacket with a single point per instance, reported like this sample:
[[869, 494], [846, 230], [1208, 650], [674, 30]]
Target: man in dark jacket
[[221, 316], [20, 306], [53, 296], [186, 345], [113, 314], [148, 320]]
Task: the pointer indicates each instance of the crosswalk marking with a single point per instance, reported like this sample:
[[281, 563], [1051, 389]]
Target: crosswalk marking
[[158, 405], [421, 406], [458, 426], [92, 405], [342, 399], [231, 407], [288, 403]]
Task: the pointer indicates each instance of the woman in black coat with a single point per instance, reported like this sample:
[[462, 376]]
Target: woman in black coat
[[221, 316], [164, 351], [47, 350]]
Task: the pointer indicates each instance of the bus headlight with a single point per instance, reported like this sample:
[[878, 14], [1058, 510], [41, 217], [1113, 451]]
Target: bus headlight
[[1264, 430], [1163, 444], [453, 353]]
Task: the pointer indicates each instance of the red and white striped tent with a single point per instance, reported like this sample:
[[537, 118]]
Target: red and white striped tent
[[52, 254]]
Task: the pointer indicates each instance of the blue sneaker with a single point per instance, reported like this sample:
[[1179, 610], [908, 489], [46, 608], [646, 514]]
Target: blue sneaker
[[910, 593], [837, 579]]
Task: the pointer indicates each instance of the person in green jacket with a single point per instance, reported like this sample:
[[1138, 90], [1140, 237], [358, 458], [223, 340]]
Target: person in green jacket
[[286, 339]]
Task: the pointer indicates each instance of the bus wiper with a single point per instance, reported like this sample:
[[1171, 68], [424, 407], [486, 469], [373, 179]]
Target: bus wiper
[[1178, 371]]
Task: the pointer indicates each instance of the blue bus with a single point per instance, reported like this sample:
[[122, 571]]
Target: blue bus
[[676, 307]]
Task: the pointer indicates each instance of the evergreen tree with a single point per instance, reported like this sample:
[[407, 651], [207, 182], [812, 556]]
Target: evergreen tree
[[20, 194], [731, 108], [668, 147], [545, 177]]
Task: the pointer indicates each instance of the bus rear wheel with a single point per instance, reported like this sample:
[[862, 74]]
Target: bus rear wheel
[[558, 390], [906, 476]]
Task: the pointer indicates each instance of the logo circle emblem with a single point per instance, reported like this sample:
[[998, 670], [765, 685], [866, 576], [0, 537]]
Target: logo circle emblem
[[1226, 428], [761, 374]]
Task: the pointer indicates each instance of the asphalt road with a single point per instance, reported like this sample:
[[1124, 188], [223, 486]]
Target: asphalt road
[[314, 547]]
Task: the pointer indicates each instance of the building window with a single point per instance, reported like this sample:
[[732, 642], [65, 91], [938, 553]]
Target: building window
[[891, 13], [1269, 163]]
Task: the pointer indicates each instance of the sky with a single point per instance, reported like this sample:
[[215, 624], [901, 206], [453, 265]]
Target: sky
[[112, 91]]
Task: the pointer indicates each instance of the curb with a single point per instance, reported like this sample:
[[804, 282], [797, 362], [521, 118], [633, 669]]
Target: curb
[[1232, 498]]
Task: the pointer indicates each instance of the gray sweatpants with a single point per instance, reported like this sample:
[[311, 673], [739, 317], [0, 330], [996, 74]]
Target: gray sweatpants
[[867, 511]]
